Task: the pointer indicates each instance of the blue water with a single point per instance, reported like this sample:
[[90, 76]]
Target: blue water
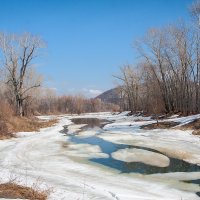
[[108, 148]]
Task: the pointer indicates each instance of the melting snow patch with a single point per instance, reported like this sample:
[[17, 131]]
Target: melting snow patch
[[85, 150], [140, 155]]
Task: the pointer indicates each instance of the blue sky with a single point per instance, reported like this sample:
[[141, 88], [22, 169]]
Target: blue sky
[[88, 40]]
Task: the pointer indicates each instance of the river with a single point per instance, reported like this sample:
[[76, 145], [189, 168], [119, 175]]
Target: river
[[105, 156]]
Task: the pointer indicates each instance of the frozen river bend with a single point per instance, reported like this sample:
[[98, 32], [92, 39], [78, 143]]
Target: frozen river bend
[[108, 157]]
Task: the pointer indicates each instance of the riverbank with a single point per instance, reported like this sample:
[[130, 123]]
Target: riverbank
[[13, 124], [71, 167]]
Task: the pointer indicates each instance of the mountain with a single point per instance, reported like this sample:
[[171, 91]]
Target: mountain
[[110, 96]]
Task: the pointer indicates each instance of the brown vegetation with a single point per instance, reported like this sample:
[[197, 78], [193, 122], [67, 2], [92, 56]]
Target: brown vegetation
[[14, 191], [196, 132], [51, 104], [160, 125], [10, 123], [194, 125], [16, 124], [4, 133]]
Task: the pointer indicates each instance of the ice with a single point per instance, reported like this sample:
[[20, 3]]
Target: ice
[[174, 143], [72, 129], [185, 120], [68, 170], [85, 150], [140, 155]]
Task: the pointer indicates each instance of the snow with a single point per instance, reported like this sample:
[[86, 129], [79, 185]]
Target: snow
[[72, 129], [140, 155], [85, 150], [185, 120], [65, 166], [174, 143]]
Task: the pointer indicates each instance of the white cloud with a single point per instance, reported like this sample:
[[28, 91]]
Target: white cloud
[[95, 92], [91, 92]]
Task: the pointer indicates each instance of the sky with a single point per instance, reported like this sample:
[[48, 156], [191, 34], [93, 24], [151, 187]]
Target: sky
[[87, 40]]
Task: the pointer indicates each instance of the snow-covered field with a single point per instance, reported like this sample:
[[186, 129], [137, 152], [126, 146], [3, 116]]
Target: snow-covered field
[[58, 163]]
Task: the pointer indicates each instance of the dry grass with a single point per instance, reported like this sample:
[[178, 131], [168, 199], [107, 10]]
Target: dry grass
[[14, 191], [194, 125], [17, 124], [14, 188], [10, 123], [6, 113], [196, 132], [160, 125], [4, 133]]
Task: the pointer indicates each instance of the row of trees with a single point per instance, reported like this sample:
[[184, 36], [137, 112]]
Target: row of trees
[[20, 84], [72, 104], [167, 77]]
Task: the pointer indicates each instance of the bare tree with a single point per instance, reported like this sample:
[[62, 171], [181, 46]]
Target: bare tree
[[130, 87], [18, 53], [168, 75], [195, 11], [152, 48]]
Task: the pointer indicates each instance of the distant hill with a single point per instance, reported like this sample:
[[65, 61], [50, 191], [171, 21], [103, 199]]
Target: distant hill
[[110, 96]]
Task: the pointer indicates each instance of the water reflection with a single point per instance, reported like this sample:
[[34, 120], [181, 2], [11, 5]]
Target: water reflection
[[195, 181], [108, 148], [91, 122]]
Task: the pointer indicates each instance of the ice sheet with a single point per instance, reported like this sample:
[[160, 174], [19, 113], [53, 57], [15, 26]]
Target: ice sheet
[[140, 155]]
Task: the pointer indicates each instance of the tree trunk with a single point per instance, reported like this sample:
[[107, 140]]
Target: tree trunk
[[20, 111]]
